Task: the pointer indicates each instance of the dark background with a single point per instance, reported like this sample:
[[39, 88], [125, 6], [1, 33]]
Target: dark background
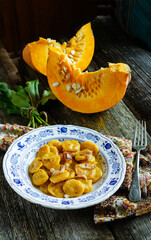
[[24, 21]]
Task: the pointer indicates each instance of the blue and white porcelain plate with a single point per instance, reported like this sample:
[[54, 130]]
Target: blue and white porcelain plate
[[22, 152]]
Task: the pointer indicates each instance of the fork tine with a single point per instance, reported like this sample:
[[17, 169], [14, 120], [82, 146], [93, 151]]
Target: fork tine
[[145, 133], [140, 143], [142, 134], [135, 135], [138, 138]]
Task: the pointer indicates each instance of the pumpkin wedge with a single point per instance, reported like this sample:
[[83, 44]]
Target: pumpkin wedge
[[87, 92], [35, 54], [79, 49]]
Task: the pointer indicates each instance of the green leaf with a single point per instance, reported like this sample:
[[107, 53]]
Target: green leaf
[[24, 101], [3, 86], [33, 92], [4, 89], [46, 96], [21, 92], [35, 113], [19, 101], [5, 99], [8, 106]]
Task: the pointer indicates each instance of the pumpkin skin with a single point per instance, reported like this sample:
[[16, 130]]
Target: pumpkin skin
[[27, 56], [79, 49], [87, 92]]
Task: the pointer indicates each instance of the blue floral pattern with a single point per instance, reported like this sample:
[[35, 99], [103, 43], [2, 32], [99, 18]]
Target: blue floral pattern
[[21, 153]]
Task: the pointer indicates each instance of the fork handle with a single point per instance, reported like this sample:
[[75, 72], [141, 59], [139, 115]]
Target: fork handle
[[135, 190]]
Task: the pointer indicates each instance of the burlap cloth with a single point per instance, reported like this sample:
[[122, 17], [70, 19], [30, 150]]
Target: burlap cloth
[[117, 206]]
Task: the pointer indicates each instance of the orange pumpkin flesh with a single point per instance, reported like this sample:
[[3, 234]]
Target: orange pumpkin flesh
[[79, 49], [35, 54], [27, 56], [87, 92]]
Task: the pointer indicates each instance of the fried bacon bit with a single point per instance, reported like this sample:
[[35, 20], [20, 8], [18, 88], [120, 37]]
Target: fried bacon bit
[[67, 156], [55, 171], [61, 156], [87, 166], [88, 153], [46, 159]]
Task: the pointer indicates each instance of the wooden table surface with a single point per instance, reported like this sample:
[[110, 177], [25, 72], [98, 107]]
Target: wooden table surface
[[22, 220]]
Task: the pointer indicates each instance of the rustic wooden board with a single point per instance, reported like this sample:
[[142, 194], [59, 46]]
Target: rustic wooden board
[[114, 45]]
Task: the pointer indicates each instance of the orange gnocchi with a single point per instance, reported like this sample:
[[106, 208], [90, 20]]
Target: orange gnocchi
[[53, 150], [84, 155], [59, 177], [35, 165], [66, 169], [56, 143], [44, 149], [91, 146], [56, 189], [87, 185], [86, 169], [73, 188], [51, 160], [71, 146], [98, 175], [39, 177]]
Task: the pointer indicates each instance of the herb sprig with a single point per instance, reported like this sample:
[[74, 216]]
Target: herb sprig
[[25, 101]]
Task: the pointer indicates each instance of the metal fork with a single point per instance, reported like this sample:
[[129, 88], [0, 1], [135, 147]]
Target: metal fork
[[140, 143]]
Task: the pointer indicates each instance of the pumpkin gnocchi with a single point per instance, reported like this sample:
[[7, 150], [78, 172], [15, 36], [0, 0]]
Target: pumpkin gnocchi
[[35, 165], [39, 177], [73, 188], [56, 189], [51, 160], [91, 146], [66, 169]]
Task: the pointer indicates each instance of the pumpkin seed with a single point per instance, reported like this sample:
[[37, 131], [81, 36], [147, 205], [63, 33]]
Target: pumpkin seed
[[72, 52], [68, 87], [64, 69], [62, 72], [68, 76], [72, 60], [49, 40], [78, 85], [55, 84], [74, 86], [77, 91]]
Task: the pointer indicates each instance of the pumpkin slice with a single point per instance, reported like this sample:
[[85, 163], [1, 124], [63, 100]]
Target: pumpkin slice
[[27, 56], [86, 92], [79, 49], [35, 54]]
